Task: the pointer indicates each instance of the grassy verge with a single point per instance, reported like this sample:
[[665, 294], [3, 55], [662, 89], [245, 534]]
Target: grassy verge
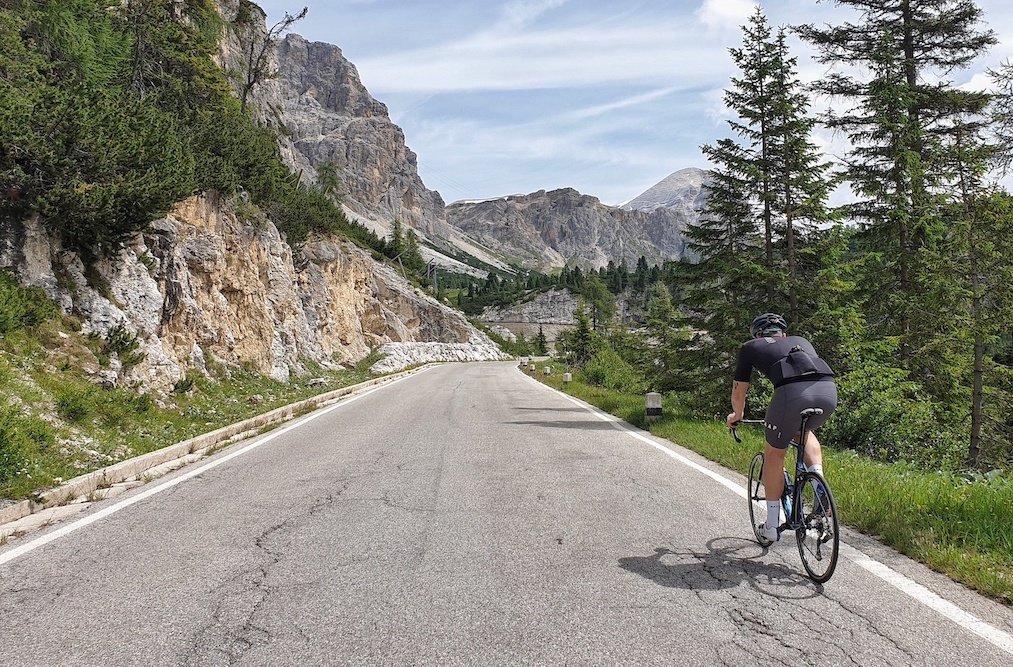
[[57, 423], [962, 528]]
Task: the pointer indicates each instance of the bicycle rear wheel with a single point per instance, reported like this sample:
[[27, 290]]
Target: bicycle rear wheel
[[818, 537], [755, 494]]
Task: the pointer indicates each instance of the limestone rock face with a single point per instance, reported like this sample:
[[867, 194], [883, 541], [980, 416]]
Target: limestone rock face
[[332, 118], [547, 230], [325, 115], [203, 286], [555, 306]]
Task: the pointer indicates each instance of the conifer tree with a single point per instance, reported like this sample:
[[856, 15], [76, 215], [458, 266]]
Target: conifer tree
[[799, 185], [412, 254], [541, 342], [603, 306], [892, 119]]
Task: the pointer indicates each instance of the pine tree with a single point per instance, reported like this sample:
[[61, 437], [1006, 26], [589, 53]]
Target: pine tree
[[892, 120], [915, 164], [752, 98], [581, 339], [256, 64], [766, 200], [666, 364], [396, 244], [603, 306], [412, 258], [541, 342], [799, 185]]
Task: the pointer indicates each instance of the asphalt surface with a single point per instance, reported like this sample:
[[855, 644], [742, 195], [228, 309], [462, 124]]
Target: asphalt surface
[[464, 516]]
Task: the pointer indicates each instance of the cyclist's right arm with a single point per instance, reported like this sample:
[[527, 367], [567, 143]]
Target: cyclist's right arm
[[739, 391]]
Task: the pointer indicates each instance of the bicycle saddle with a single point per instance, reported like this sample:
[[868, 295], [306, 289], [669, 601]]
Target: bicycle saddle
[[811, 412]]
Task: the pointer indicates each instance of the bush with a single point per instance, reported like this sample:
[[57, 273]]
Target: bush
[[607, 369], [73, 405], [22, 307], [883, 415]]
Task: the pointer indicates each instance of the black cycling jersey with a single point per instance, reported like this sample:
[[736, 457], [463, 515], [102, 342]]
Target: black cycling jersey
[[763, 353]]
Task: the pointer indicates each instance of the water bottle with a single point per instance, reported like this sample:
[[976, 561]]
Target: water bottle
[[786, 495]]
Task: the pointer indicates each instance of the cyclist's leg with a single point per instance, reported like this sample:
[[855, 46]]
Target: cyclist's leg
[[813, 450], [778, 426], [820, 394], [773, 471]]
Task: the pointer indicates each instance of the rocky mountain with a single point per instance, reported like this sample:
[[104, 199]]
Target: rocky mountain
[[547, 230], [681, 191], [327, 116]]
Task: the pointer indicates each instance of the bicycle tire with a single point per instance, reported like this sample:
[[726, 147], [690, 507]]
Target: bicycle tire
[[755, 494], [819, 539]]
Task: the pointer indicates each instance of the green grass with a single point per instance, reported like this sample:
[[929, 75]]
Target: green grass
[[960, 527], [62, 424]]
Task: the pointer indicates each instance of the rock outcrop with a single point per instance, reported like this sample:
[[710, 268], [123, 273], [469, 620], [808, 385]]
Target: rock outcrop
[[202, 286], [555, 306], [547, 230]]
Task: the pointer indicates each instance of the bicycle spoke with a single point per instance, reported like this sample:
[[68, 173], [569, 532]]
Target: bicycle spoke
[[756, 495], [818, 539]]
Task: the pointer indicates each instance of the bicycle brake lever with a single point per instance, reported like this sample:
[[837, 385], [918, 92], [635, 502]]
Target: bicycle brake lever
[[735, 434]]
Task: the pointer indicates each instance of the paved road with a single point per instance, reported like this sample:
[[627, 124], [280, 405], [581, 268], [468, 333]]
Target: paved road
[[464, 516]]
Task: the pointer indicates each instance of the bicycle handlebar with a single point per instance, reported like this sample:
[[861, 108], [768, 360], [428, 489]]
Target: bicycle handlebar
[[735, 431]]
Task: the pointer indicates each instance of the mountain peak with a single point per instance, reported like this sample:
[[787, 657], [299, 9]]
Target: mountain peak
[[678, 189]]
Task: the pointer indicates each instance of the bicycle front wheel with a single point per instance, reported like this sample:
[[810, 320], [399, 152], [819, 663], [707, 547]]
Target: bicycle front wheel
[[818, 536], [755, 494]]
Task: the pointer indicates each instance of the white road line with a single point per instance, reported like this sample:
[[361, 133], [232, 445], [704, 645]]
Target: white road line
[[28, 547], [915, 590]]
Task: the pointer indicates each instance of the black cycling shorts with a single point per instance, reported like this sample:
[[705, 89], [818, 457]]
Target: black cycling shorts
[[783, 418]]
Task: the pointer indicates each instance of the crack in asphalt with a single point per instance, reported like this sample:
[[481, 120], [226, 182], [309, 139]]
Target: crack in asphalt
[[232, 631], [796, 623]]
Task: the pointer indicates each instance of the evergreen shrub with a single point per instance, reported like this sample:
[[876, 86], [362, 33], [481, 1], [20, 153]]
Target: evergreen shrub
[[884, 415], [607, 369], [22, 307]]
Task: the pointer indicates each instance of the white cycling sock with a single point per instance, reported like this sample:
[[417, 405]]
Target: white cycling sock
[[773, 514], [818, 469]]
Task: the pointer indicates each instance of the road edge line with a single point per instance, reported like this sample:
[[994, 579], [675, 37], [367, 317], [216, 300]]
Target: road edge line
[[999, 638], [32, 545]]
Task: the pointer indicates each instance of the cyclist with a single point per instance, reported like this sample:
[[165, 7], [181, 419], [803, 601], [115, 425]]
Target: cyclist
[[801, 380]]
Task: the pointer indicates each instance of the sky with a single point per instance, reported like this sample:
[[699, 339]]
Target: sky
[[501, 97]]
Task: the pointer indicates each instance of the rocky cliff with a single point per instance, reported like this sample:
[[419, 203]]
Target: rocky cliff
[[325, 115], [547, 230], [202, 286], [555, 306]]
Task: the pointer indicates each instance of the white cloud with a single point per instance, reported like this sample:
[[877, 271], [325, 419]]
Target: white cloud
[[519, 13], [625, 103], [561, 58], [722, 14]]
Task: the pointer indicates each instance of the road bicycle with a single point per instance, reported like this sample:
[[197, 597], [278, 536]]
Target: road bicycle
[[808, 504]]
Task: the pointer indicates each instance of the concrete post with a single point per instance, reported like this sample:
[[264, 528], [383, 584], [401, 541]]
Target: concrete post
[[567, 377], [653, 412], [531, 368], [547, 370]]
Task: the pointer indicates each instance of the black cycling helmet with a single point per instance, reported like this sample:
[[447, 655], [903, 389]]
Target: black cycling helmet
[[767, 324]]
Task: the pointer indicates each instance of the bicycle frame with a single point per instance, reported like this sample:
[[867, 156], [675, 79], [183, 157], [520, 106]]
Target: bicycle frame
[[815, 525], [793, 520]]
